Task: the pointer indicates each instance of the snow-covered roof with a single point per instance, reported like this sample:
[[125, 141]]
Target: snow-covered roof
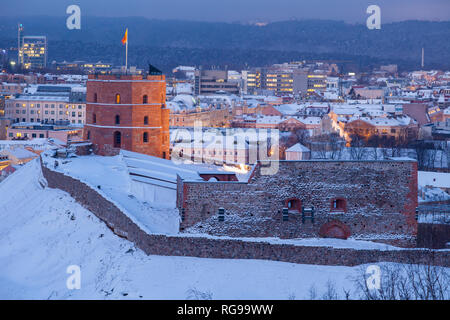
[[289, 109], [434, 179], [298, 147], [308, 120], [58, 98], [185, 99], [162, 172], [19, 153]]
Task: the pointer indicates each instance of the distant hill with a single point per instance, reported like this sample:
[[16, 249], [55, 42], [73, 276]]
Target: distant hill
[[170, 43]]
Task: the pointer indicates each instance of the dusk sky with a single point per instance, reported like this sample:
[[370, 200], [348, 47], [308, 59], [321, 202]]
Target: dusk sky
[[237, 10]]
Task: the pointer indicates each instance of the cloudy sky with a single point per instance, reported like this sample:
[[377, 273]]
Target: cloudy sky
[[237, 10]]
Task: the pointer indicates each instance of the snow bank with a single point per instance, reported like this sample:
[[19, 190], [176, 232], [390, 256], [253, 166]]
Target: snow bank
[[110, 173]]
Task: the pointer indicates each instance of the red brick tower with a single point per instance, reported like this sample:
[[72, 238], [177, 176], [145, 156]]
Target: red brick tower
[[127, 112]]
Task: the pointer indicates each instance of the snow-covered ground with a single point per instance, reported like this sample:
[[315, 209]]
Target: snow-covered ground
[[110, 173], [44, 230]]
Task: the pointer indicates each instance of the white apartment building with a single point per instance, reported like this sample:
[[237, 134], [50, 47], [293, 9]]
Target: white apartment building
[[48, 104]]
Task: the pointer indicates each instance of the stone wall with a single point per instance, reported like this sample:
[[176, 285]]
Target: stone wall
[[379, 198], [229, 249]]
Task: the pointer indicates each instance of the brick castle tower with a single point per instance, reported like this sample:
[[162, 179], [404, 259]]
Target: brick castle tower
[[127, 112]]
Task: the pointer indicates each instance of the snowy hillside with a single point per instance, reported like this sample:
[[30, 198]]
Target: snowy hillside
[[43, 231]]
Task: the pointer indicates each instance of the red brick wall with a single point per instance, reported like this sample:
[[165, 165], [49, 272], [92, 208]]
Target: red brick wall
[[381, 197], [131, 111]]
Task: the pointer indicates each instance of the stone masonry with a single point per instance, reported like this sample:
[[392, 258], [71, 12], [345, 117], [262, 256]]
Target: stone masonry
[[203, 247], [377, 200]]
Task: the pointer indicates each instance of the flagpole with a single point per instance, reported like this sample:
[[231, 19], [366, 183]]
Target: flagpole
[[126, 54]]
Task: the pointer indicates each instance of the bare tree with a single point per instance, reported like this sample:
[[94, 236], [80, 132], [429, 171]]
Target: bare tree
[[195, 294], [357, 148], [336, 146], [302, 136], [406, 282], [330, 291], [422, 154]]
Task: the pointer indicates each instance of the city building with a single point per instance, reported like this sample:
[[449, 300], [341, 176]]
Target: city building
[[63, 131], [33, 52], [283, 80], [82, 67], [48, 104], [214, 82]]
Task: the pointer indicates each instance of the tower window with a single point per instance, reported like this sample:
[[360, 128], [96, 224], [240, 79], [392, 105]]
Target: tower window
[[117, 139], [145, 99], [94, 118], [117, 98], [145, 137], [117, 119], [339, 204], [146, 120], [95, 97], [89, 135]]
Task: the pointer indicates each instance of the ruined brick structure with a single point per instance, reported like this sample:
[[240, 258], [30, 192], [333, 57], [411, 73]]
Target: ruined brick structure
[[372, 200], [127, 112], [225, 248]]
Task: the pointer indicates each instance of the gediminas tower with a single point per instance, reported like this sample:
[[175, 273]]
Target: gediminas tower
[[127, 112]]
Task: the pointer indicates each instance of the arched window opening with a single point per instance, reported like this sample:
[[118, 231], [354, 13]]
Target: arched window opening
[[145, 99], [95, 97], [117, 119], [94, 118], [145, 137], [117, 98], [293, 204], [146, 120], [339, 204], [117, 139], [89, 135]]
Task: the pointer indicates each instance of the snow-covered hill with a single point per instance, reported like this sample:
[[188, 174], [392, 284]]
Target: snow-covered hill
[[43, 231]]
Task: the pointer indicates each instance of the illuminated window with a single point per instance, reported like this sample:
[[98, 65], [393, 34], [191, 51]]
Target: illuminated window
[[117, 98]]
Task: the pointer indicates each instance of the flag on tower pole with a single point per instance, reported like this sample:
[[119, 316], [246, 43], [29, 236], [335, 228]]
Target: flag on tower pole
[[125, 42]]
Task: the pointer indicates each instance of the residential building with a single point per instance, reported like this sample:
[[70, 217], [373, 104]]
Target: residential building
[[49, 104], [63, 131]]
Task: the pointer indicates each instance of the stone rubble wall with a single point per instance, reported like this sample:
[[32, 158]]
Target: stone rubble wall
[[204, 247]]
